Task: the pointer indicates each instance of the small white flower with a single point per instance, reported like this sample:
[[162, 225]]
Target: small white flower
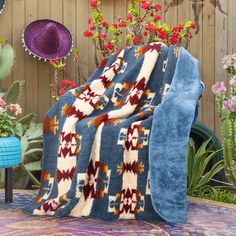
[[18, 109], [1, 110]]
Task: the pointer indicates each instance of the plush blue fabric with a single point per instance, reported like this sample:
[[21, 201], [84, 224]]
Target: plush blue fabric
[[171, 125]]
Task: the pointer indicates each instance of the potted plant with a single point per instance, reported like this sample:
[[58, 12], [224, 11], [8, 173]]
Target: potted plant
[[10, 147]]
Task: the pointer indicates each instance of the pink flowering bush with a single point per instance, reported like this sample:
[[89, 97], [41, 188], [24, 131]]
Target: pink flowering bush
[[7, 117], [138, 28], [226, 105]]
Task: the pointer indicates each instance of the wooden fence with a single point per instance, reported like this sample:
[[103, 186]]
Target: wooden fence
[[214, 39]]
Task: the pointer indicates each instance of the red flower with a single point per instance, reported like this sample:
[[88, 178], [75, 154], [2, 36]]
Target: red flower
[[67, 82], [190, 35], [54, 60], [74, 85], [129, 17], [88, 34], [61, 92], [108, 46], [61, 84], [90, 20], [93, 3], [193, 25], [102, 36], [136, 40], [150, 27], [104, 24], [115, 26], [162, 34], [157, 7], [145, 5], [92, 27], [174, 39], [145, 33], [179, 27], [121, 23], [157, 18]]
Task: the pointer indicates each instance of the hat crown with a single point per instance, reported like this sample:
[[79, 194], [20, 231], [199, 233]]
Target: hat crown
[[48, 40]]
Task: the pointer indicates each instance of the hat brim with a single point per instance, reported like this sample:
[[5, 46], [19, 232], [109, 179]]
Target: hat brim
[[1, 5], [35, 28]]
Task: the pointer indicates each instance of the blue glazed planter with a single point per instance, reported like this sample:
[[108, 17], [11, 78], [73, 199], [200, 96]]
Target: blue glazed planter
[[10, 152]]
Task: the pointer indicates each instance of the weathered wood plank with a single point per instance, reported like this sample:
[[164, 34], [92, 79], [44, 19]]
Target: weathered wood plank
[[18, 26], [57, 15], [221, 48], [82, 42], [231, 26], [196, 44], [171, 12], [120, 11], [208, 62], [183, 11], [44, 73], [69, 19], [31, 86]]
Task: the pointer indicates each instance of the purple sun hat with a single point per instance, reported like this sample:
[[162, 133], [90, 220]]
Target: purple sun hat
[[47, 39]]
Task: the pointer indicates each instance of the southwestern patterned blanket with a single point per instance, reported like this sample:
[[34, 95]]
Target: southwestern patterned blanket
[[115, 148]]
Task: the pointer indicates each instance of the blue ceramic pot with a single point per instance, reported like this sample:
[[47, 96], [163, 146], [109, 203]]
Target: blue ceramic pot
[[10, 152]]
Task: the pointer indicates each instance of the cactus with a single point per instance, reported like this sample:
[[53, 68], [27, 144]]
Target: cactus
[[6, 60], [13, 92]]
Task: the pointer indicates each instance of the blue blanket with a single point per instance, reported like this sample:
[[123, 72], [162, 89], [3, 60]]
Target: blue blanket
[[115, 148]]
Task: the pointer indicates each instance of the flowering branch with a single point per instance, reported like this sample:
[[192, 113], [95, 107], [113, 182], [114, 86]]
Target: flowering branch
[[138, 28], [60, 87]]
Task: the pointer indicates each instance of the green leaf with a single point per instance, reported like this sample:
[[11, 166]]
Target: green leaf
[[35, 131], [26, 120], [29, 174], [19, 130], [33, 150], [208, 159], [33, 166], [190, 160], [214, 170], [2, 94], [24, 146], [37, 141]]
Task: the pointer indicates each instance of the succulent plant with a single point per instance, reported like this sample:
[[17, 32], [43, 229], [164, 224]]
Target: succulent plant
[[6, 59]]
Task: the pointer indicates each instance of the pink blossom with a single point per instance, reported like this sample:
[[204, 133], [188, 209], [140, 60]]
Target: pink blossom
[[230, 104], [233, 81], [11, 107], [2, 102], [219, 87], [15, 108]]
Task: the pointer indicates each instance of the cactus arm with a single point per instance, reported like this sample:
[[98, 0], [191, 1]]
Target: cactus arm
[[6, 60]]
